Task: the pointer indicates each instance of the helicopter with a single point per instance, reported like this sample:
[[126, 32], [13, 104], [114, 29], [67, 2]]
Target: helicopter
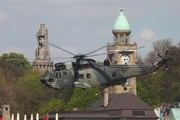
[[85, 73]]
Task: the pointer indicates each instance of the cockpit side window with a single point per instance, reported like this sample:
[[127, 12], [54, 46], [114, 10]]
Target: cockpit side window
[[52, 74], [81, 76], [59, 74]]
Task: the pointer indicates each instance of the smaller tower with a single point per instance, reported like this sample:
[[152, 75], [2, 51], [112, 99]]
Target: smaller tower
[[42, 54], [106, 96], [6, 112]]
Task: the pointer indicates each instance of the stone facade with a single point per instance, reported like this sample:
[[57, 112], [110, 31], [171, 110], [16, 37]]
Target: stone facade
[[5, 112], [42, 54], [116, 59], [128, 55]]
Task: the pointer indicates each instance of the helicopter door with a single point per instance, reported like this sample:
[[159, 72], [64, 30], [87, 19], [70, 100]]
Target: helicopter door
[[66, 80]]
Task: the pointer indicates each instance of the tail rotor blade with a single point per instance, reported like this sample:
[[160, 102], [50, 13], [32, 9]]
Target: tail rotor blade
[[171, 58], [166, 52], [164, 59], [167, 68], [158, 54]]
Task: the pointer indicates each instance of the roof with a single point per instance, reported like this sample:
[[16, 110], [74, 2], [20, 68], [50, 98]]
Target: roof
[[82, 114], [121, 24], [122, 105], [123, 101], [175, 113]]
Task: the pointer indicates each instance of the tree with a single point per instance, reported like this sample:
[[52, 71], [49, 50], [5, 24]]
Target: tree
[[31, 81], [11, 72], [16, 59], [160, 46], [54, 105], [149, 89], [9, 86], [139, 60], [82, 99], [163, 86]]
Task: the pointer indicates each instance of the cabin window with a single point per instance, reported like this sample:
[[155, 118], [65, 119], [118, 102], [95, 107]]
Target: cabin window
[[59, 74], [114, 74], [81, 76], [88, 75], [138, 113], [64, 73]]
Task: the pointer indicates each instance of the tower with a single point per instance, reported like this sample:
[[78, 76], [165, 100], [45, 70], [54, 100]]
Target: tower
[[120, 30], [42, 54], [6, 112]]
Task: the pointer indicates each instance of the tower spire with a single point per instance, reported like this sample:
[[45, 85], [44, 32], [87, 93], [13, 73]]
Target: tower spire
[[121, 24]]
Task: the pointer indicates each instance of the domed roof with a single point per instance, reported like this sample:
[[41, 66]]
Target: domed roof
[[121, 24]]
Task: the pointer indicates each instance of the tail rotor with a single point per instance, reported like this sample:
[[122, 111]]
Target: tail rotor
[[164, 58]]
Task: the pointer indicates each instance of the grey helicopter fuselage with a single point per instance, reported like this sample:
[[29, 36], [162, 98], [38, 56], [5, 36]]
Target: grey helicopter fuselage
[[85, 73], [89, 74]]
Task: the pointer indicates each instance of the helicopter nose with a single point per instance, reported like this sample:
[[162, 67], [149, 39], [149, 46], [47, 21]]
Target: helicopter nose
[[42, 80]]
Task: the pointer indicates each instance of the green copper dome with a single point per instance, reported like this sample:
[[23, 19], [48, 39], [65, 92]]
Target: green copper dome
[[121, 24]]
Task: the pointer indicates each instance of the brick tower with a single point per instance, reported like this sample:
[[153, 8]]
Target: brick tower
[[120, 30]]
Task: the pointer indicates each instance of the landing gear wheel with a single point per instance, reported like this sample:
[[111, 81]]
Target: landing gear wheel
[[125, 88]]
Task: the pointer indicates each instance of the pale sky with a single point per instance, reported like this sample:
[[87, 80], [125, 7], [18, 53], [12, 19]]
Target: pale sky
[[81, 26]]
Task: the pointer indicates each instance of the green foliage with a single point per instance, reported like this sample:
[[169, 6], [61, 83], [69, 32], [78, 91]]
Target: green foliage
[[10, 89], [54, 105], [31, 81], [163, 86], [16, 59], [11, 71], [82, 99], [148, 89]]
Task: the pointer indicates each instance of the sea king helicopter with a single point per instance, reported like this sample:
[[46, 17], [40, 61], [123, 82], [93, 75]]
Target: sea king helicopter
[[85, 72]]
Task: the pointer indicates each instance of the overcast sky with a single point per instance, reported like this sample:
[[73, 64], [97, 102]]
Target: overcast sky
[[81, 26]]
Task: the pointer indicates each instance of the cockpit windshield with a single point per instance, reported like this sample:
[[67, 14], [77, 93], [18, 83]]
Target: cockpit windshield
[[55, 74]]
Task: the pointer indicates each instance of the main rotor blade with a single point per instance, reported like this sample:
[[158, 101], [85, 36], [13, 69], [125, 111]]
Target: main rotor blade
[[112, 52], [107, 45], [127, 49], [63, 58], [62, 49], [18, 59]]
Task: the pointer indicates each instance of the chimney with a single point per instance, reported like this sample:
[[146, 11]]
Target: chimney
[[6, 112], [106, 98], [75, 109]]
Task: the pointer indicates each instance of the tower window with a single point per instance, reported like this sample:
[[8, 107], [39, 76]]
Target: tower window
[[126, 41], [121, 36]]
